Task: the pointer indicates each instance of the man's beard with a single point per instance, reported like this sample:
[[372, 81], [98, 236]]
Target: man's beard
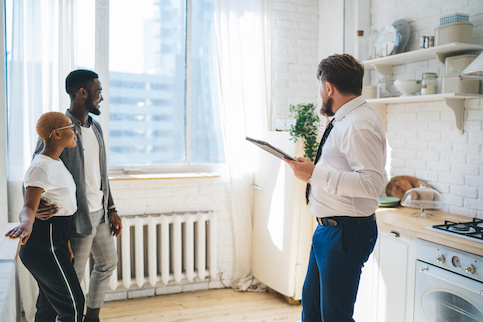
[[91, 107], [326, 108]]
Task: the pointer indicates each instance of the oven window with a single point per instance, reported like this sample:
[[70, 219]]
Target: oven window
[[441, 305]]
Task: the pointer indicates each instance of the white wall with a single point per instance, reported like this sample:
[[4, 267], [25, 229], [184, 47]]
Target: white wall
[[423, 138], [295, 59], [295, 29], [154, 196]]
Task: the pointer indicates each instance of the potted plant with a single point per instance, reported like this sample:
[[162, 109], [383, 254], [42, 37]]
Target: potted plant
[[306, 127]]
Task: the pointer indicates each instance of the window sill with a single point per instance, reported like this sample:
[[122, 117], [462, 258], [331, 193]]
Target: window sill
[[157, 176]]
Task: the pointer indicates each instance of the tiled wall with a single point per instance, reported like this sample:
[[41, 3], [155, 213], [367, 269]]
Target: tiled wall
[[423, 137]]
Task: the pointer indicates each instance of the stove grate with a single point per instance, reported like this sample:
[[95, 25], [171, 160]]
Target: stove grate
[[473, 229]]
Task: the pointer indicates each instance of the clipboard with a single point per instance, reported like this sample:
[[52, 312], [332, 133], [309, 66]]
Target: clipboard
[[271, 149]]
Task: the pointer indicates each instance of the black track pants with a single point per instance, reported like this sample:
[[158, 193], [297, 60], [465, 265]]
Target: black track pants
[[47, 257]]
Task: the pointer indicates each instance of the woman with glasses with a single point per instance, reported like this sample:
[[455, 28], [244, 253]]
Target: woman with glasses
[[46, 250]]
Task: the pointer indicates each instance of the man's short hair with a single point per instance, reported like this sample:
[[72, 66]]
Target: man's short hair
[[78, 79], [342, 71]]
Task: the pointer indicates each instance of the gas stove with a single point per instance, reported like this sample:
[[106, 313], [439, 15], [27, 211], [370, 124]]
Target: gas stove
[[471, 230]]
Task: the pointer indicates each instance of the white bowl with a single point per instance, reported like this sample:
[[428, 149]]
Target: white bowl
[[408, 87]]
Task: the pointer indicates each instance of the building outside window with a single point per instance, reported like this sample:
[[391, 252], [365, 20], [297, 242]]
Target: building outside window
[[163, 92]]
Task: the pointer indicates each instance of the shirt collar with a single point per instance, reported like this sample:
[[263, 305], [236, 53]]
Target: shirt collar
[[76, 121], [349, 107]]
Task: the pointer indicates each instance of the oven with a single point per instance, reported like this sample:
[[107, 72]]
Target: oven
[[449, 284]]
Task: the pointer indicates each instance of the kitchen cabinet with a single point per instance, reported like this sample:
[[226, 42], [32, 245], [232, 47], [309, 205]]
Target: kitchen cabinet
[[365, 308], [386, 288], [396, 260], [454, 101]]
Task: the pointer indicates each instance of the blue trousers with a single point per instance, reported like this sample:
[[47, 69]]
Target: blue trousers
[[337, 256]]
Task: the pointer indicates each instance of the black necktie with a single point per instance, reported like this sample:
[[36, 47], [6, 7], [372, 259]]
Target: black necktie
[[319, 153]]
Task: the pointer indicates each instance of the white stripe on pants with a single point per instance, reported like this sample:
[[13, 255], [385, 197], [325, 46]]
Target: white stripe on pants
[[101, 246]]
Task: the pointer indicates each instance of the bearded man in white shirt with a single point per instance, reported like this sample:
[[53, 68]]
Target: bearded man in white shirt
[[344, 186]]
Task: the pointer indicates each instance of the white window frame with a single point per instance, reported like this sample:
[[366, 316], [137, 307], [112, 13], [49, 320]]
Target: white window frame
[[102, 69]]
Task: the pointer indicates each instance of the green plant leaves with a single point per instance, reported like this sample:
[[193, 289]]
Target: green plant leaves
[[306, 127]]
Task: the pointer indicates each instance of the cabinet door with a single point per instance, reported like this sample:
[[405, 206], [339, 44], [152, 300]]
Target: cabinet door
[[395, 261], [366, 302]]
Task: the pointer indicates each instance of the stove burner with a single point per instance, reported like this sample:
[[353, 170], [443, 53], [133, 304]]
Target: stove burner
[[471, 229], [461, 228]]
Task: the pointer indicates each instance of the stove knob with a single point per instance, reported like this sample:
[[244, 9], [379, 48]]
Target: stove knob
[[470, 269], [440, 259], [456, 261]]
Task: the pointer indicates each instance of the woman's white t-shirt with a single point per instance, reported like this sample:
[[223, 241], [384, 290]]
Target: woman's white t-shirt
[[56, 181]]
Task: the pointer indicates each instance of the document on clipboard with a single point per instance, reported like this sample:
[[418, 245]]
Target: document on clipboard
[[271, 149]]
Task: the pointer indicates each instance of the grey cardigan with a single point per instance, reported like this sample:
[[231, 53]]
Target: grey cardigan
[[73, 159]]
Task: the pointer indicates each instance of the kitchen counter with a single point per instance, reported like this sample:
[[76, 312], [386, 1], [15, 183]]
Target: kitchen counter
[[399, 219]]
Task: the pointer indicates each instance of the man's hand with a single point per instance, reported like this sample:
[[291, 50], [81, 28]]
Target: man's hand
[[71, 253], [46, 210], [116, 223], [302, 168]]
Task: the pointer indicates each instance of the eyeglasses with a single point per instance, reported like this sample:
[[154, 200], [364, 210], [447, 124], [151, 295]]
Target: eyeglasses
[[61, 128]]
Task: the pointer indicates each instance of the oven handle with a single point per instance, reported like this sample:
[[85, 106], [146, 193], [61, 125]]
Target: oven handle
[[449, 277]]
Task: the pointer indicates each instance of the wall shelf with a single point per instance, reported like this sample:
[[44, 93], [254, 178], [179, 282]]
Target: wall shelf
[[454, 101], [384, 65]]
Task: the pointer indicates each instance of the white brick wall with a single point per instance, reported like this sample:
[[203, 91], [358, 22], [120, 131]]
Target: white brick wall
[[294, 41], [135, 197], [294, 38], [425, 143], [423, 137], [423, 16]]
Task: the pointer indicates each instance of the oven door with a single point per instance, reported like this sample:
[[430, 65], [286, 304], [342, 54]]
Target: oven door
[[441, 295]]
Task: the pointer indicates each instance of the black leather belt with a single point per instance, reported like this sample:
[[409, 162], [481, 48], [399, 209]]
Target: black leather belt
[[344, 220]]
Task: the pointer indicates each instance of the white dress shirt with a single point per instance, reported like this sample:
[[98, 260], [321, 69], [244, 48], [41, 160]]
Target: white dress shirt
[[349, 177]]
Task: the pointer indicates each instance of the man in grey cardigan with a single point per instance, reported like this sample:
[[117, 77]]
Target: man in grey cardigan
[[96, 219]]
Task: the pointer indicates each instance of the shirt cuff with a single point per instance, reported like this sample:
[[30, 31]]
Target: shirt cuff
[[319, 177]]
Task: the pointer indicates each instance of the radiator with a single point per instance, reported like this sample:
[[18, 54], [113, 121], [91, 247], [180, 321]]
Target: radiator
[[164, 248]]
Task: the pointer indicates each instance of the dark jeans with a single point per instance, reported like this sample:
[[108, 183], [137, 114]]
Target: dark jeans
[[337, 256]]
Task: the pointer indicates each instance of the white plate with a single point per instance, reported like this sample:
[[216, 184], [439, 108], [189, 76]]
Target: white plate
[[385, 41]]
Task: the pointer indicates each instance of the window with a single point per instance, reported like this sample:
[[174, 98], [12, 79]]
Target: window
[[163, 107]]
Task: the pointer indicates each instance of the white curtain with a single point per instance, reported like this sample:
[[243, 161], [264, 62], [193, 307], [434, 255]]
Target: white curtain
[[41, 56], [243, 69]]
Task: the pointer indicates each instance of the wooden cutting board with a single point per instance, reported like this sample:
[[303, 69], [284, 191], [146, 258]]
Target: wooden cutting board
[[400, 184]]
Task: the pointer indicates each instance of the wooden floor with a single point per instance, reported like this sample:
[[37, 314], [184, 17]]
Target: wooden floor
[[212, 305]]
